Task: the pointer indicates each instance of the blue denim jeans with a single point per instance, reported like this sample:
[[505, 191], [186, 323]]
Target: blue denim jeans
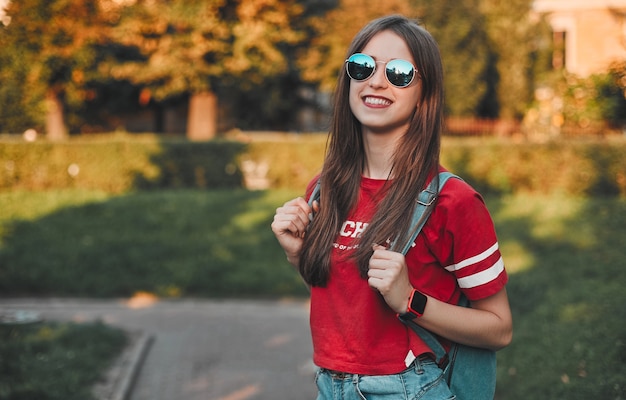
[[422, 380]]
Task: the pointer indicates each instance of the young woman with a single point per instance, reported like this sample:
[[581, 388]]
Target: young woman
[[383, 150]]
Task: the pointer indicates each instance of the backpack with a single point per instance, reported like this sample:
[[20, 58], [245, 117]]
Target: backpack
[[469, 371]]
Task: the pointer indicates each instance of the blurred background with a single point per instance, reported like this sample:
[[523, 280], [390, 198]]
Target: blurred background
[[203, 68]]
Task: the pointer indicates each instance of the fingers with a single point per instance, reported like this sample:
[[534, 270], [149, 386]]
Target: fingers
[[385, 268], [378, 247], [388, 275], [385, 259], [292, 217], [316, 206]]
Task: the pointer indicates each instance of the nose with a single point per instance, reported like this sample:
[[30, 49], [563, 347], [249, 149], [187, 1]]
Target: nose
[[378, 79]]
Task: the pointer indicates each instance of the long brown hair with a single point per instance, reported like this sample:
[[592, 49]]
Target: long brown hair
[[415, 159]]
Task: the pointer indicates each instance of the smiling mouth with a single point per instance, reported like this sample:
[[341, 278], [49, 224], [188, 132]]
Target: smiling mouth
[[376, 101]]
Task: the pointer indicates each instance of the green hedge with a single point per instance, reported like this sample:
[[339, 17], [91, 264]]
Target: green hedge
[[577, 167], [292, 161], [120, 163], [573, 166]]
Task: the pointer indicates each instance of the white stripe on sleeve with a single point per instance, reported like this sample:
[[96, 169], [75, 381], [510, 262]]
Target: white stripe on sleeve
[[473, 260], [482, 277]]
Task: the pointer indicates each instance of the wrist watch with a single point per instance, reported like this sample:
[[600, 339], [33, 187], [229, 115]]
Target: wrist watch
[[416, 306]]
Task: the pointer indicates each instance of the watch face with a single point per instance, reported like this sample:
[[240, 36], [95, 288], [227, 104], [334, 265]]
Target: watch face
[[418, 303]]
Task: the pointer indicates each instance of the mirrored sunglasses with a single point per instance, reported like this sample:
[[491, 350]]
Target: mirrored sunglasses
[[399, 73]]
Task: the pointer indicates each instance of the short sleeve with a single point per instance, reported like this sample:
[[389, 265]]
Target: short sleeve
[[461, 235]]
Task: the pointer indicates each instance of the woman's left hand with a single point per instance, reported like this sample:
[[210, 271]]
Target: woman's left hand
[[389, 275]]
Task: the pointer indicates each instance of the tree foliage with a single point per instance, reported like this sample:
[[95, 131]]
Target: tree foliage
[[515, 39], [613, 92], [332, 32], [17, 110], [203, 49], [50, 48], [459, 28], [487, 48], [190, 46], [97, 57]]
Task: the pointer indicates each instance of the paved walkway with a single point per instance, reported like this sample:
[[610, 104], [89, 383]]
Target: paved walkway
[[205, 350]]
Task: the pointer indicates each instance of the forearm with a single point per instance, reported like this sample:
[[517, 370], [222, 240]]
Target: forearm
[[487, 324]]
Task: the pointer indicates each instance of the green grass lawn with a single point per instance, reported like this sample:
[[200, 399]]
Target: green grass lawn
[[565, 257], [54, 361], [171, 243], [567, 262]]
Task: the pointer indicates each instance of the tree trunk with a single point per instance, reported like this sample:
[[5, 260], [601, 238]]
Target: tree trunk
[[202, 117], [55, 125]]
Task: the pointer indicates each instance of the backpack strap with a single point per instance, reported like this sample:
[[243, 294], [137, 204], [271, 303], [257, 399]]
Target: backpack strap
[[315, 194], [423, 208]]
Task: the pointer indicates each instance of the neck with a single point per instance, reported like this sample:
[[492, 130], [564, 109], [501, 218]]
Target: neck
[[379, 153]]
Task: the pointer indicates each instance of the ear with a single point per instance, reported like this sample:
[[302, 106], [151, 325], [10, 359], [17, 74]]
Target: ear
[[417, 97]]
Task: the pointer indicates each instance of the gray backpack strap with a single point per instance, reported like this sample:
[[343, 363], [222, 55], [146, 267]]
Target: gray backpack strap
[[315, 194], [423, 208], [441, 356]]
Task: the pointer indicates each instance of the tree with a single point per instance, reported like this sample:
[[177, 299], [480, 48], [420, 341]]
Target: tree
[[459, 28], [514, 38], [331, 33], [613, 93], [49, 48], [16, 112], [489, 48], [198, 49]]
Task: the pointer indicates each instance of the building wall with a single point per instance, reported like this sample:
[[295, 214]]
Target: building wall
[[595, 32]]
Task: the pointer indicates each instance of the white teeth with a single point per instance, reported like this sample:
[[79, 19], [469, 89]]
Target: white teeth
[[377, 101]]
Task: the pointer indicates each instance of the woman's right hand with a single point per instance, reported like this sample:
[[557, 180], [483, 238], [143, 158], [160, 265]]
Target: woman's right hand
[[290, 225]]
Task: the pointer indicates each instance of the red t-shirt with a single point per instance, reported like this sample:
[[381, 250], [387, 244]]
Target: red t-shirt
[[353, 329]]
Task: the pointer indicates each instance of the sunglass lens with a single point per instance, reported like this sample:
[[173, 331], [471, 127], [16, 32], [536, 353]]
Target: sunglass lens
[[400, 72], [360, 66]]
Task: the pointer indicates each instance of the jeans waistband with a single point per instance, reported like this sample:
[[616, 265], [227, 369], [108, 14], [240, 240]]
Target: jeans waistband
[[337, 374], [340, 375]]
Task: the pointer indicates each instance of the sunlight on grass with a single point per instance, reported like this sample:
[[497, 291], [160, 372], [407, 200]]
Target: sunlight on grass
[[567, 300], [248, 219], [29, 206], [516, 258], [551, 215], [256, 211], [540, 219], [575, 312]]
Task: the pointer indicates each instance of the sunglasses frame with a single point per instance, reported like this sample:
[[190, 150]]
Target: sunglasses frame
[[386, 71]]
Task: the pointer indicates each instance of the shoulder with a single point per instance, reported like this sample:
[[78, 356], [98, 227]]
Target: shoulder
[[458, 193], [460, 206]]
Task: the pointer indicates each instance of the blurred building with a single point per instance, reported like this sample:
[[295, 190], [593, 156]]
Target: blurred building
[[4, 18], [588, 35]]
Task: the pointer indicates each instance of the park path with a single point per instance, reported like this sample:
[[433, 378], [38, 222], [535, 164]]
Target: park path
[[204, 349]]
